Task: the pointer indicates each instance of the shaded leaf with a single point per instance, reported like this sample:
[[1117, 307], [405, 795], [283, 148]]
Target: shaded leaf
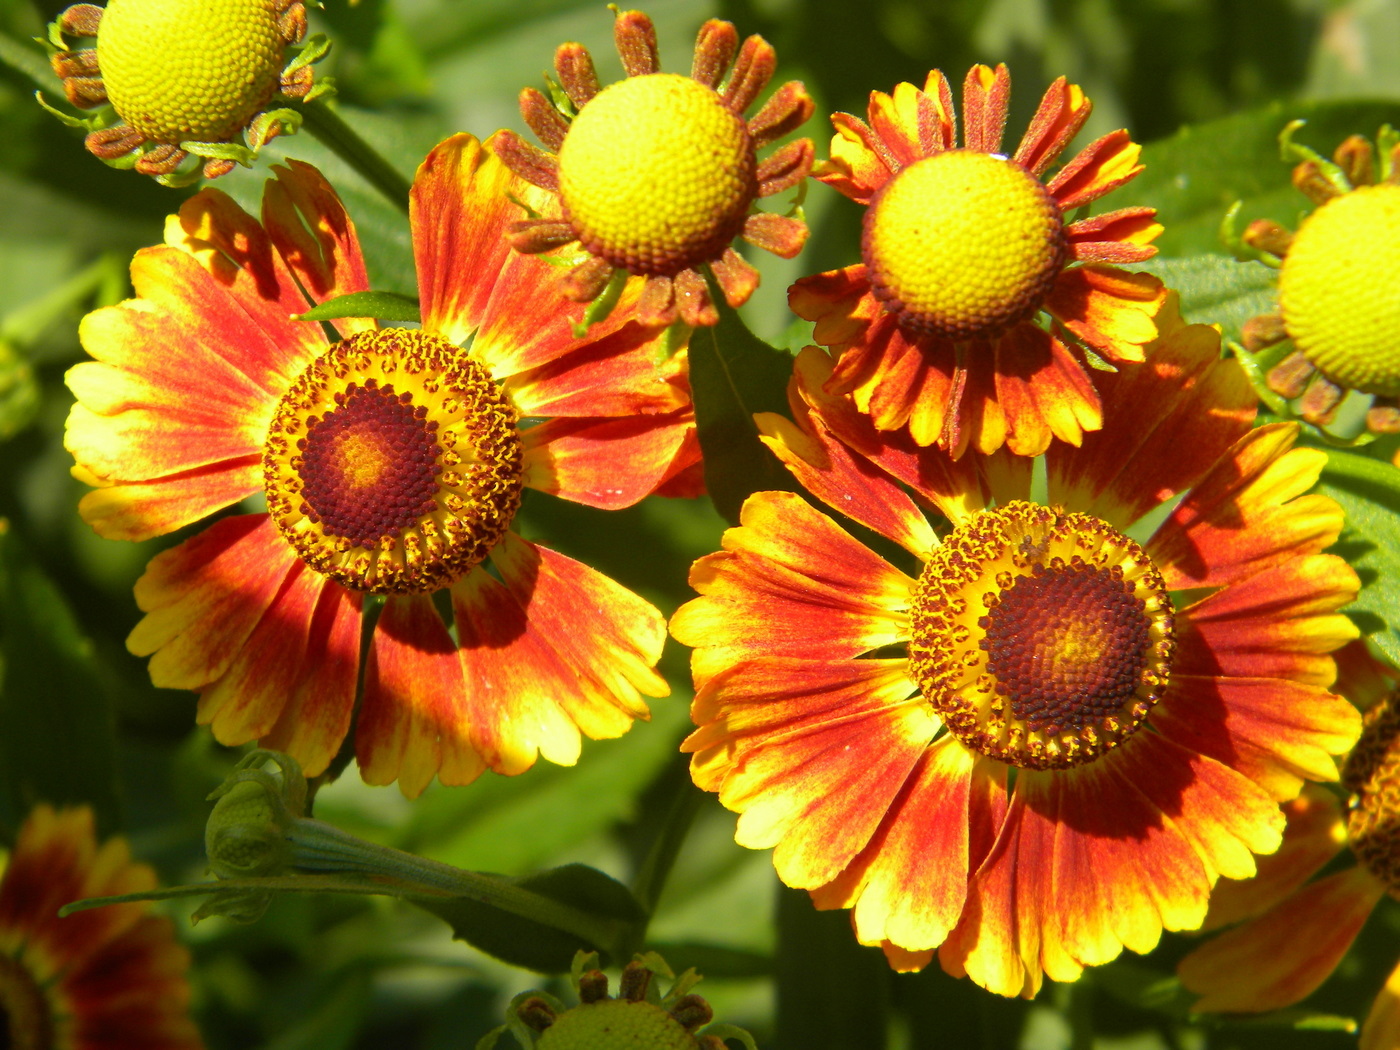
[[55, 707], [1369, 493], [734, 374]]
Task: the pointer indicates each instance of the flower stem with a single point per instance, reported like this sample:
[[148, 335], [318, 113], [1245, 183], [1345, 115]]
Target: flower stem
[[681, 806], [321, 847], [345, 142]]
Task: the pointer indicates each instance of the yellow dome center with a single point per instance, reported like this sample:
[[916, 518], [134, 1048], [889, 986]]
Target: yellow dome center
[[189, 72], [393, 464], [963, 245], [656, 174], [1042, 639], [616, 1024], [1338, 290]]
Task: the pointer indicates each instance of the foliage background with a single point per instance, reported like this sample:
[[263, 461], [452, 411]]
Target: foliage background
[[1207, 83]]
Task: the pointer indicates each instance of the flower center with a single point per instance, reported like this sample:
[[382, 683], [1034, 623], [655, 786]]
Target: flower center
[[656, 174], [182, 72], [393, 463], [1372, 774], [1041, 638], [1337, 289], [26, 1022], [963, 245], [616, 1023]]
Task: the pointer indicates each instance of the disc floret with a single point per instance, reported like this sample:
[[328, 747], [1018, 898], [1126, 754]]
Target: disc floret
[[657, 173], [176, 80], [1372, 775], [393, 464], [1041, 638], [1337, 326]]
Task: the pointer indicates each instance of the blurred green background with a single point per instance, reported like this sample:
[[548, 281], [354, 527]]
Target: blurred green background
[[79, 717]]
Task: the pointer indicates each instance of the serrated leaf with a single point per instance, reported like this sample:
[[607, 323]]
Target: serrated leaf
[[1369, 493], [57, 742], [384, 306], [734, 374]]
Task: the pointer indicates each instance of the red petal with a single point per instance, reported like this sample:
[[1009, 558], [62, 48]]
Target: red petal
[[609, 463]]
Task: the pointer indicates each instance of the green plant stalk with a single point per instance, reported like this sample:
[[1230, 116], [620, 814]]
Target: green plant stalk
[[324, 123], [320, 847]]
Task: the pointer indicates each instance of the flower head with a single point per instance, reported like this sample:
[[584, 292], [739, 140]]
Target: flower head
[[1044, 735], [656, 174], [392, 463], [184, 79], [1257, 965], [111, 977], [1338, 304], [963, 248], [640, 1016]]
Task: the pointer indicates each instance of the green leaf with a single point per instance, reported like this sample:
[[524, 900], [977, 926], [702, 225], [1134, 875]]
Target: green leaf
[[385, 306], [1194, 177], [734, 374], [57, 742], [534, 945], [1216, 289], [19, 392], [1369, 493]]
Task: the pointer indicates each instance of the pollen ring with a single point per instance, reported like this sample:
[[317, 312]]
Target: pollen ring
[[393, 464]]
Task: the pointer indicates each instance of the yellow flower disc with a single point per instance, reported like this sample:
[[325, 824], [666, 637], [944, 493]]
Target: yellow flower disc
[[1042, 639], [189, 72], [1338, 291], [393, 464], [656, 174], [616, 1024], [963, 245]]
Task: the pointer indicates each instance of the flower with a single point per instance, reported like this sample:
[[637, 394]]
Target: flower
[[1337, 300], [962, 249], [1258, 965], [639, 1017], [184, 79], [392, 463], [656, 173], [1047, 740], [104, 978]]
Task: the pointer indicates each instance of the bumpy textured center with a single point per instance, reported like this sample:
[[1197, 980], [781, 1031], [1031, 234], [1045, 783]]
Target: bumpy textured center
[[616, 1024], [189, 72], [1066, 646], [1041, 638], [963, 245], [26, 1021], [393, 464], [657, 174], [1338, 291], [1372, 775], [375, 444]]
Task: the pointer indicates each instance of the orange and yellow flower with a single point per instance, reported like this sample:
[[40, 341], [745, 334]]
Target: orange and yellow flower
[[1044, 734], [110, 977], [392, 463], [963, 249], [1293, 929], [657, 173]]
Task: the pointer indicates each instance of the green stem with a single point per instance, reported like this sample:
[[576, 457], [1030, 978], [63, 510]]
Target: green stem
[[683, 804], [320, 847], [342, 139]]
